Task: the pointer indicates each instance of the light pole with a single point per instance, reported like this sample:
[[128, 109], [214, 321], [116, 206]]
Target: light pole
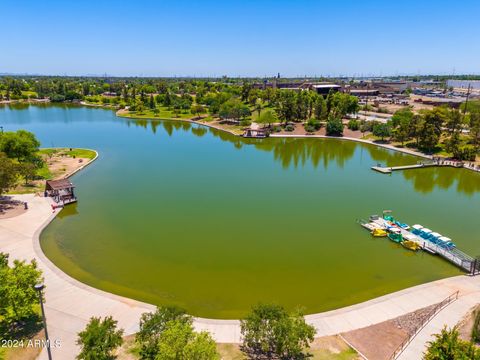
[[39, 288]]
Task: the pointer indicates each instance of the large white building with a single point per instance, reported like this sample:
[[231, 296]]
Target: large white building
[[463, 84]]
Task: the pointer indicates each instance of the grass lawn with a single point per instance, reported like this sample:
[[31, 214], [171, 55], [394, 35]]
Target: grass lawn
[[164, 113], [57, 162]]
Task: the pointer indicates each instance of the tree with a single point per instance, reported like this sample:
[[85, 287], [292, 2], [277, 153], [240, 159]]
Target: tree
[[286, 105], [21, 145], [151, 102], [153, 324], [452, 145], [431, 127], [334, 126], [28, 171], [8, 173], [320, 108], [271, 332], [267, 117], [18, 297], [179, 342], [197, 110], [234, 109], [454, 121], [99, 339], [382, 130], [475, 128], [447, 345]]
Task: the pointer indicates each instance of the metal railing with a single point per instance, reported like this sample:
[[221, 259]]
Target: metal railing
[[434, 311]]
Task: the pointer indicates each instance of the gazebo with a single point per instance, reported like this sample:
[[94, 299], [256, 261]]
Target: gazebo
[[61, 191]]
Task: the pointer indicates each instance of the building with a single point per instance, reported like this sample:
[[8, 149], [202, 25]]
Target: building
[[464, 84], [325, 88], [61, 191]]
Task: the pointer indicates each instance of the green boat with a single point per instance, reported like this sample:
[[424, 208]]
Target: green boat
[[395, 237]]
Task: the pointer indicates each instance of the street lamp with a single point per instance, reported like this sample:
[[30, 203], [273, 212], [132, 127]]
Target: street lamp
[[39, 288]]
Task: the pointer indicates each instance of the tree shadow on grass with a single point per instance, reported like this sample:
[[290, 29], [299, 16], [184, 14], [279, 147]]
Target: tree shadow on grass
[[24, 329]]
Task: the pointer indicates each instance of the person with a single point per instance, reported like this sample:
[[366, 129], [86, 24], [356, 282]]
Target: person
[[25, 204]]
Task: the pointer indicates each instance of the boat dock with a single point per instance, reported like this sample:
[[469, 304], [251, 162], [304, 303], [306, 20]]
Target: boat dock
[[389, 170], [453, 255]]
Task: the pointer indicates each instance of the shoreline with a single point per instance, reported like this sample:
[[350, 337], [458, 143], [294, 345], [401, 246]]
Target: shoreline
[[70, 303], [300, 136]]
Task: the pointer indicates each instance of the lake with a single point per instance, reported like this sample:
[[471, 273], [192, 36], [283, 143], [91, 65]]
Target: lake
[[177, 213]]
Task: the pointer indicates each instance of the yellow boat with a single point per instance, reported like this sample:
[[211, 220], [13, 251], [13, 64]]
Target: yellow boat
[[411, 245], [379, 233]]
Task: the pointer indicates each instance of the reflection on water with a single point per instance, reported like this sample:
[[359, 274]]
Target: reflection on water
[[289, 152], [160, 200], [427, 179], [295, 152]]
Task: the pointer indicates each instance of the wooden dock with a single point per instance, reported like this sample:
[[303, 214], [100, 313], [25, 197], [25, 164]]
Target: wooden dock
[[453, 255]]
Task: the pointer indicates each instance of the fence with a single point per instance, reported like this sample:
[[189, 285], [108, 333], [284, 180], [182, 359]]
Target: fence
[[434, 311]]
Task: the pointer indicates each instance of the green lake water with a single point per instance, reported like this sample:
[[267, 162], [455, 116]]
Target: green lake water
[[175, 213]]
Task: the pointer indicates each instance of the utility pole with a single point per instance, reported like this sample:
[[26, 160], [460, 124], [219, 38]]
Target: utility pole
[[39, 288], [466, 101]]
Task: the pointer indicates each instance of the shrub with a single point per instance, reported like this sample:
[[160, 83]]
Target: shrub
[[468, 153], [448, 345], [309, 128], [289, 128], [245, 123], [57, 98], [334, 126], [313, 123], [277, 129], [353, 125]]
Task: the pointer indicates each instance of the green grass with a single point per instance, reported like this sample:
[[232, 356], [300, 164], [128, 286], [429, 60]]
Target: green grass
[[164, 113], [44, 172], [325, 354], [79, 153]]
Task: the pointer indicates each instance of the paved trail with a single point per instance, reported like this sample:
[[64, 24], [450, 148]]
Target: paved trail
[[70, 303]]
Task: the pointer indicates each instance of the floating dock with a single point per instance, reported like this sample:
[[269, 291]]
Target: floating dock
[[389, 170], [453, 255], [423, 164]]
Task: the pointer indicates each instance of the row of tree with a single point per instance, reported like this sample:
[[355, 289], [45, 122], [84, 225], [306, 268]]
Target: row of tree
[[458, 132], [268, 331]]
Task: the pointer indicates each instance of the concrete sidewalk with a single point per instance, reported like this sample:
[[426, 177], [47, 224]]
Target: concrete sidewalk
[[70, 303]]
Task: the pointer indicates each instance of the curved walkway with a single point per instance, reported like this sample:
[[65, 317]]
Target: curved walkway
[[70, 303]]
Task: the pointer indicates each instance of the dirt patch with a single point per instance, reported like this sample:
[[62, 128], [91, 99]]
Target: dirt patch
[[10, 208], [26, 352], [379, 341], [332, 347], [465, 325], [59, 165], [127, 350]]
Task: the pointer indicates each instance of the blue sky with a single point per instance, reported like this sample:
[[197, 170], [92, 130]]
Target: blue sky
[[240, 38]]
